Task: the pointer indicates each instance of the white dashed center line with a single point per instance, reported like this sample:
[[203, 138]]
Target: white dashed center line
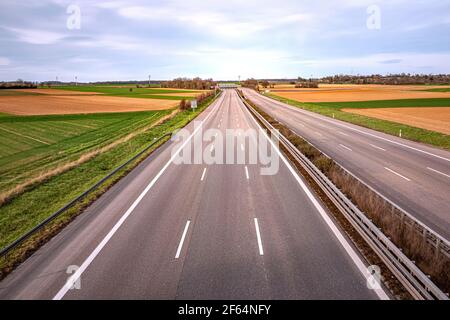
[[398, 174]]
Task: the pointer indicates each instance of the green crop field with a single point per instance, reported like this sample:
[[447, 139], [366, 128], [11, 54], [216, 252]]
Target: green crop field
[[438, 90], [333, 109], [31, 144], [147, 93], [432, 102], [5, 92]]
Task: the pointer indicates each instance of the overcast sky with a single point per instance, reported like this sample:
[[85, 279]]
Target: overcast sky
[[130, 39]]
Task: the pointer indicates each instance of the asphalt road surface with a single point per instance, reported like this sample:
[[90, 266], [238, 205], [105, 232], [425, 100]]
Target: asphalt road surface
[[197, 231], [414, 176]]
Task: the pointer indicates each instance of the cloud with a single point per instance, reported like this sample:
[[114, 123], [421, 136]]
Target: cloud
[[405, 61], [4, 61], [40, 37], [213, 20], [391, 61]]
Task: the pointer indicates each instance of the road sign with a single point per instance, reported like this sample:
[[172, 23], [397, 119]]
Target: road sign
[[193, 104]]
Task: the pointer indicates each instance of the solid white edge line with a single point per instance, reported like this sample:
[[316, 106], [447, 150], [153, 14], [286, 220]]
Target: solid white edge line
[[203, 174], [180, 245], [448, 176], [69, 284], [242, 147], [354, 129], [246, 173], [345, 147], [258, 237], [342, 240], [398, 174]]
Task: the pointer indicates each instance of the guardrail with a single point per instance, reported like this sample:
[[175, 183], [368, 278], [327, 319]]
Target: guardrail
[[432, 237], [412, 278], [5, 251]]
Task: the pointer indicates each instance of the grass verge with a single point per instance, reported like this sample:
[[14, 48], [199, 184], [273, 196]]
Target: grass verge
[[333, 109]]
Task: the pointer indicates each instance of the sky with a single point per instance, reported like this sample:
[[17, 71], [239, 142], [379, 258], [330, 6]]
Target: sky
[[132, 39]]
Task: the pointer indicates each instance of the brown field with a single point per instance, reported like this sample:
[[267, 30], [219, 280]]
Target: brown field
[[343, 93], [431, 118], [72, 104], [56, 92]]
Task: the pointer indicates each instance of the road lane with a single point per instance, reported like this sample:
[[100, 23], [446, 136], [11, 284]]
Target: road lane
[[425, 196]]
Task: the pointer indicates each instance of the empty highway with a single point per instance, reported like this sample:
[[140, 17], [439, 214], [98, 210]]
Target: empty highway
[[414, 176], [197, 231]]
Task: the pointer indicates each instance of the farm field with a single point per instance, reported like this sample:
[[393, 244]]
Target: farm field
[[430, 118], [344, 93], [75, 104], [31, 145], [90, 99], [147, 93]]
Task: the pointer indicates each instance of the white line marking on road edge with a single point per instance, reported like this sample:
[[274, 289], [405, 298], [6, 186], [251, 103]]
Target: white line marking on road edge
[[66, 287], [345, 147], [396, 173], [203, 174], [377, 147], [258, 236], [246, 173], [448, 176], [180, 245], [212, 148], [342, 240], [242, 147]]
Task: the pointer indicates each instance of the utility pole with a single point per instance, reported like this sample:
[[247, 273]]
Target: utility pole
[[149, 77], [76, 81], [239, 77]]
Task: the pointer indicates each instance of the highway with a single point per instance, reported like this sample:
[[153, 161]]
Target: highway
[[414, 176], [197, 231]]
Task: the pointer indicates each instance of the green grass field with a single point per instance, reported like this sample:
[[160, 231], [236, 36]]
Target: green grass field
[[147, 93], [434, 102], [32, 144], [5, 93], [438, 90], [333, 109], [28, 209]]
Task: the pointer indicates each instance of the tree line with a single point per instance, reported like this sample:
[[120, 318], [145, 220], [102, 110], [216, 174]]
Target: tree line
[[186, 83]]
